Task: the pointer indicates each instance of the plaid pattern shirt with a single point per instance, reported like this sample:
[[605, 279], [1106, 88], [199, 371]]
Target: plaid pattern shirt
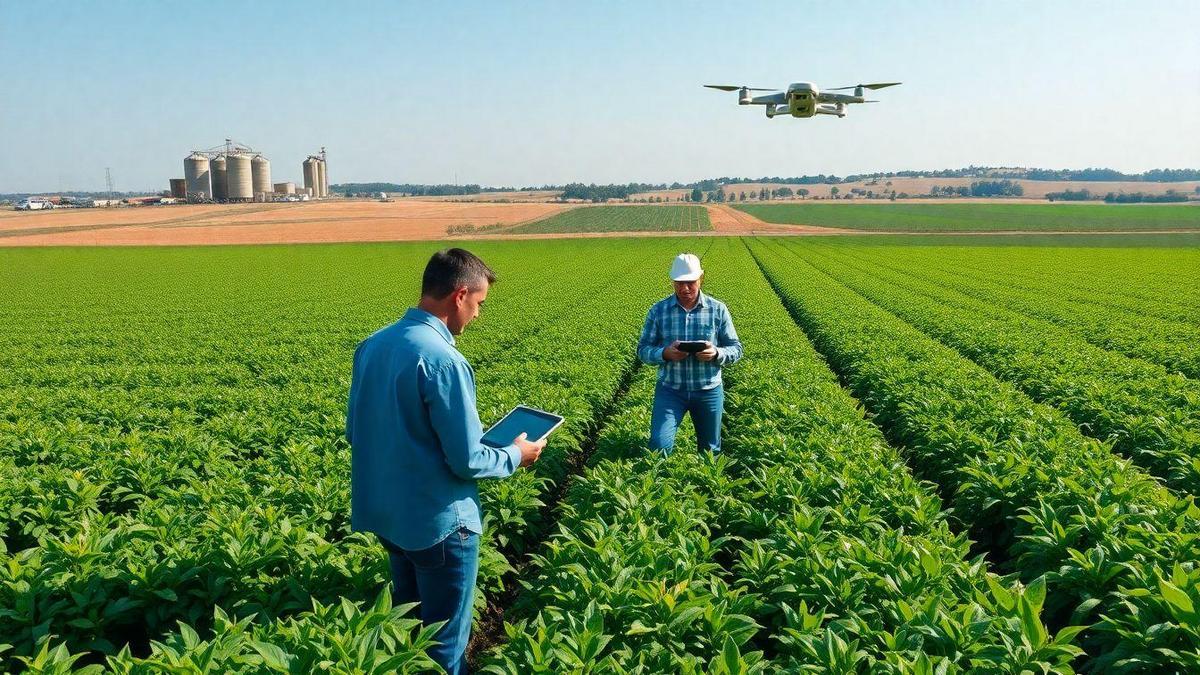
[[668, 321]]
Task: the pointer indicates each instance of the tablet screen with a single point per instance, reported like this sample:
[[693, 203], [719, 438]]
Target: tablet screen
[[536, 425]]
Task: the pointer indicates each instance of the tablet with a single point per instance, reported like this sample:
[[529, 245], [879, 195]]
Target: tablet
[[692, 346], [536, 424]]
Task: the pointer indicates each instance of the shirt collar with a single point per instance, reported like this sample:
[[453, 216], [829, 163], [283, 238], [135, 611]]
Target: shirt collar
[[421, 316], [699, 301]]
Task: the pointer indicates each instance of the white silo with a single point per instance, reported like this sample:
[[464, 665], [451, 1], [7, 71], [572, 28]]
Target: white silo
[[240, 177], [197, 177], [322, 186], [260, 170]]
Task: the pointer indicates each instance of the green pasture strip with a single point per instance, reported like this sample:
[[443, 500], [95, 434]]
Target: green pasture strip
[[621, 219], [976, 217], [1117, 549], [1172, 344], [811, 496], [231, 491], [1149, 414]]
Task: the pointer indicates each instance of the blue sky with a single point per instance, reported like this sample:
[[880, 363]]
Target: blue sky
[[551, 92]]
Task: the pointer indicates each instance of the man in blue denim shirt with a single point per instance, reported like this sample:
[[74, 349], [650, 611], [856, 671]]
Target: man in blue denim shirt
[[688, 383], [414, 434]]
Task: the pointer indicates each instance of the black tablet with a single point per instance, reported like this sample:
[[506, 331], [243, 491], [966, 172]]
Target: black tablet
[[535, 424], [692, 346]]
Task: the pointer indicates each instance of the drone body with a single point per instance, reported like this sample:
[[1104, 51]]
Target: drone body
[[802, 99]]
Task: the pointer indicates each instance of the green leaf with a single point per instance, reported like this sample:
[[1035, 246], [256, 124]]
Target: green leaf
[[731, 658], [638, 628], [1175, 596], [273, 657], [1036, 593]]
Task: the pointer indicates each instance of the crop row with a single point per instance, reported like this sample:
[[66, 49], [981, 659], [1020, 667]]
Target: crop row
[[1172, 344], [808, 539], [1150, 415], [1140, 282], [155, 503], [1118, 551], [622, 219]]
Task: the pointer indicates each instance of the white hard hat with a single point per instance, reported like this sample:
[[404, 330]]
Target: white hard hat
[[686, 268]]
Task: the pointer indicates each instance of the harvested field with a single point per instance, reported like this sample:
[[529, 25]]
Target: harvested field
[[307, 222], [728, 220]]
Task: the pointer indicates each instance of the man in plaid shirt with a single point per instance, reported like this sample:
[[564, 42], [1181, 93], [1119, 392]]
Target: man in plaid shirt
[[688, 383]]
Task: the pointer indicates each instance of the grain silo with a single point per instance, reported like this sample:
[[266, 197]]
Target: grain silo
[[241, 178], [198, 177], [310, 174], [179, 188], [322, 188], [260, 171], [220, 180], [285, 188]]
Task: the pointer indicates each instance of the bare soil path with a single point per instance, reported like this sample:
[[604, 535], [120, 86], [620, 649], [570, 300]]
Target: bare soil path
[[728, 220]]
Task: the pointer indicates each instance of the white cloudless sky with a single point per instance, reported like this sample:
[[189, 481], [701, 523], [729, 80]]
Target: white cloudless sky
[[551, 92]]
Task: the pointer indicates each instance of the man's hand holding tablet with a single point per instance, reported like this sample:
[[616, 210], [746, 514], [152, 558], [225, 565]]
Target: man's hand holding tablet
[[530, 452]]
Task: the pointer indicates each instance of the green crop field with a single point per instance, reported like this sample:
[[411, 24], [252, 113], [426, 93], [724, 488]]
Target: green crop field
[[959, 458], [981, 217], [621, 219]]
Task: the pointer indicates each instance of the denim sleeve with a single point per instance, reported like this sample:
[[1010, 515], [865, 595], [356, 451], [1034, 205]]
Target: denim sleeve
[[729, 347], [449, 392], [649, 349]]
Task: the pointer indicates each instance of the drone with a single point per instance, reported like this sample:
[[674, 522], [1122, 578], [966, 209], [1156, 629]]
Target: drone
[[803, 99]]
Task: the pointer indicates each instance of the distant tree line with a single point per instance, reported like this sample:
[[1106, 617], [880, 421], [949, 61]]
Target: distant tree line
[[1071, 196], [603, 193], [1142, 197]]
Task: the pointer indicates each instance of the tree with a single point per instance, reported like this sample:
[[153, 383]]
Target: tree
[[834, 191], [742, 195], [697, 195]]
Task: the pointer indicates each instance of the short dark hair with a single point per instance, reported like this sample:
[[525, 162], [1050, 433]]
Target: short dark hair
[[452, 268]]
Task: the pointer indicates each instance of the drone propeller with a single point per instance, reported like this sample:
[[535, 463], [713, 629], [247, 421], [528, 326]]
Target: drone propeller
[[730, 87], [876, 85]]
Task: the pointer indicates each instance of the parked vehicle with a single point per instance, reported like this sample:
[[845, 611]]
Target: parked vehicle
[[33, 204]]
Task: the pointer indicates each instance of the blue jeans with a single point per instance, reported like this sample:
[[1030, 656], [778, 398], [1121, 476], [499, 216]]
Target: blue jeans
[[670, 405], [442, 579]]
